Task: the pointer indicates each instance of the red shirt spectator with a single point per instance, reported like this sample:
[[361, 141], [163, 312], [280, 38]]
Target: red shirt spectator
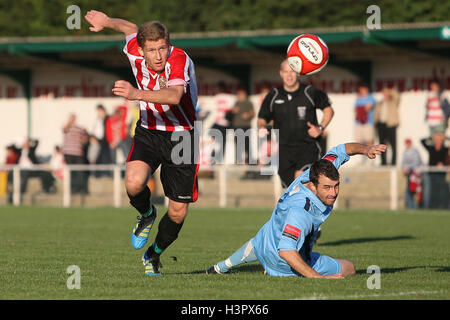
[[116, 126]]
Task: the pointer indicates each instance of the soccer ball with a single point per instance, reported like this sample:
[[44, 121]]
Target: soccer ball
[[307, 54]]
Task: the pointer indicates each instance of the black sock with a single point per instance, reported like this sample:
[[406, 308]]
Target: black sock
[[141, 201], [167, 233]]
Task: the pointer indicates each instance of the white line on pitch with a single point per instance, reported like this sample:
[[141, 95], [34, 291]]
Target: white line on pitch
[[356, 296]]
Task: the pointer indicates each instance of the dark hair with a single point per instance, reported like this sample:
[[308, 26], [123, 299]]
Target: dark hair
[[152, 31], [221, 86], [325, 168], [240, 88], [12, 147], [436, 81], [363, 85]]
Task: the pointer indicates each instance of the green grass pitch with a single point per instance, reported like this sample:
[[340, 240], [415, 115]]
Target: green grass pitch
[[38, 244]]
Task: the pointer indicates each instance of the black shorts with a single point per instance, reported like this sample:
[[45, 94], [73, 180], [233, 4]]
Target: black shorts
[[155, 147], [294, 158]]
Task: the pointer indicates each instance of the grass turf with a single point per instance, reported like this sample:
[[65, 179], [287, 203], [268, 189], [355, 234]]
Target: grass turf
[[38, 244]]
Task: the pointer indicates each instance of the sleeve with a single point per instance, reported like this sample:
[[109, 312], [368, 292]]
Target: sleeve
[[294, 230], [426, 142], [108, 130], [179, 68], [133, 55], [336, 155], [321, 99], [265, 111]]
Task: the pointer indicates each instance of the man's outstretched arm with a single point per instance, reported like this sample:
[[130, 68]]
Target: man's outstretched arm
[[100, 20], [370, 151], [170, 95]]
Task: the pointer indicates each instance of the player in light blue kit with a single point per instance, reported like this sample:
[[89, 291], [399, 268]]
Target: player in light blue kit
[[284, 244]]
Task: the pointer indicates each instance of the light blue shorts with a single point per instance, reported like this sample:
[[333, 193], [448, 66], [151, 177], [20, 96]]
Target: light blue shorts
[[324, 265]]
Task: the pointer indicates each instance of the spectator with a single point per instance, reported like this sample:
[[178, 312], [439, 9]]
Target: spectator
[[206, 145], [94, 148], [57, 163], [12, 154], [410, 161], [386, 121], [437, 149], [26, 161], [267, 155], [436, 189], [243, 113], [264, 135], [75, 139], [202, 114], [99, 132], [268, 149], [437, 109], [264, 90], [364, 104], [224, 103], [12, 157], [117, 133]]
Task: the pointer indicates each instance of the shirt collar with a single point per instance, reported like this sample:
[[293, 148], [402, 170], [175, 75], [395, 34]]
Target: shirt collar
[[152, 72], [316, 201]]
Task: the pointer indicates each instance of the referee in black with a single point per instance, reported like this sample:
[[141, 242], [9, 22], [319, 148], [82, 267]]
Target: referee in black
[[292, 107]]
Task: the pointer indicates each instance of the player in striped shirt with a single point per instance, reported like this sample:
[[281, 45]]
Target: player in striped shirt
[[167, 91]]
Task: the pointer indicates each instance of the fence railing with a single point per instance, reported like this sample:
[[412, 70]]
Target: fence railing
[[117, 169], [221, 172]]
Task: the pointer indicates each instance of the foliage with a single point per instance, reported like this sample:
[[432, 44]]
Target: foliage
[[20, 18]]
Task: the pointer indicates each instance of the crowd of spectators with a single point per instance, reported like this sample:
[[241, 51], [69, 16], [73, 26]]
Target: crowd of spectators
[[109, 136], [376, 121], [379, 120]]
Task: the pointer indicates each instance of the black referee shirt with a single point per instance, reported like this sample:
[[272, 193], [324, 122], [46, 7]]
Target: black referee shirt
[[291, 111]]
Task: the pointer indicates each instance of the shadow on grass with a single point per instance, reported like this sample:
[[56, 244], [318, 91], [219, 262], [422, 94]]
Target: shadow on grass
[[401, 269], [256, 268], [362, 240]]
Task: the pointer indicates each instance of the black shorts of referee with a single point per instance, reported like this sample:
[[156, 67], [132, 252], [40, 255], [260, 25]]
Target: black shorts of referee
[[155, 147], [296, 157]]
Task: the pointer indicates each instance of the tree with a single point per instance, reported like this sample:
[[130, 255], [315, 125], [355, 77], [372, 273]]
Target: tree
[[48, 18]]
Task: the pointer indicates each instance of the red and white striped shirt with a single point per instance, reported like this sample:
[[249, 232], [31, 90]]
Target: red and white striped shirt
[[74, 140], [435, 114], [179, 70]]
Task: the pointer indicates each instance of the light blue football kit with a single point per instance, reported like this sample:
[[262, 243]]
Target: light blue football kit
[[293, 226]]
